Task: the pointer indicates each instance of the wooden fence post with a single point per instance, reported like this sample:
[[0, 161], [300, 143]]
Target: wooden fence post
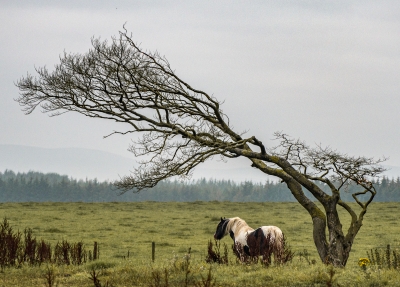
[[153, 250], [95, 251]]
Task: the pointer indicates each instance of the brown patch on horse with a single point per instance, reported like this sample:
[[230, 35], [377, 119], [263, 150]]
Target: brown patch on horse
[[256, 242]]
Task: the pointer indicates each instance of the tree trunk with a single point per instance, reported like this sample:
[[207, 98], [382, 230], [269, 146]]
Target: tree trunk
[[317, 216], [339, 245], [336, 250], [319, 236]]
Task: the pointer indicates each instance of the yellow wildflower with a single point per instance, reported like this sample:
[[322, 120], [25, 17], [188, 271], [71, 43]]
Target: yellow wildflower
[[363, 262]]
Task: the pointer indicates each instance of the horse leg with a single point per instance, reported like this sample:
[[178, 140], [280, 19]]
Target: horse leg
[[279, 250], [240, 252], [276, 256], [266, 257]]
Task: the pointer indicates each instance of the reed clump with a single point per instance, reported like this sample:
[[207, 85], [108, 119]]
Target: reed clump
[[214, 253], [16, 249], [384, 258]]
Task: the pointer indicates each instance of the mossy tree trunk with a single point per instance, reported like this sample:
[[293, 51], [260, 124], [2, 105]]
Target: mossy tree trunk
[[332, 244]]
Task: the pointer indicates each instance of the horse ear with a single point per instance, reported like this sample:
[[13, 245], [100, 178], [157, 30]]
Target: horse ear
[[222, 219]]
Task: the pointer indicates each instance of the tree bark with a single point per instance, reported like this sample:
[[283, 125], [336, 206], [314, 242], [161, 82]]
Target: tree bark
[[319, 236], [337, 246], [318, 219]]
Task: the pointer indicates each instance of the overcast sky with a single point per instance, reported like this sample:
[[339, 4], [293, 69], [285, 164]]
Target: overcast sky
[[327, 72]]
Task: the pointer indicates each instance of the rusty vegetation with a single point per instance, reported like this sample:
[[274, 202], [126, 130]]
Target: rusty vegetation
[[16, 250]]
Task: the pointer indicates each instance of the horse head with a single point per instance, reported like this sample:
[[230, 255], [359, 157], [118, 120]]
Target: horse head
[[221, 229]]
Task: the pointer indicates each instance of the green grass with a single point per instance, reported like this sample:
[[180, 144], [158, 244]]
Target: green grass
[[120, 228]]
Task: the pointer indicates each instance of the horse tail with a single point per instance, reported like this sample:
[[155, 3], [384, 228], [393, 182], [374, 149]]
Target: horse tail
[[279, 245]]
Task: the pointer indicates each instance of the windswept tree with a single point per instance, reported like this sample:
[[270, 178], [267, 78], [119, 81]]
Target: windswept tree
[[181, 127]]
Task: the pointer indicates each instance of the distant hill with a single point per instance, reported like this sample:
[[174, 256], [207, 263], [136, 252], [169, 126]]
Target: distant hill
[[83, 163], [75, 162]]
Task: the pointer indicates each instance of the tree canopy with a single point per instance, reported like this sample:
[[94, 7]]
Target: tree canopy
[[181, 127]]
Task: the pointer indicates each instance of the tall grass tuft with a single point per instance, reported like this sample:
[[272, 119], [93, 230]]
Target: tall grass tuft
[[14, 251], [159, 278], [287, 254], [43, 253], [208, 281], [214, 253], [386, 258], [50, 276], [78, 253], [62, 253], [306, 256], [180, 273], [94, 277], [9, 245], [30, 247]]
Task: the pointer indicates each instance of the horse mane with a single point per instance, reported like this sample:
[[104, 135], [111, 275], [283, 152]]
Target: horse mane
[[240, 225]]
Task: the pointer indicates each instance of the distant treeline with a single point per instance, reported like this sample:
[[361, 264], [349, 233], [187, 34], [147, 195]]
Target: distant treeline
[[40, 187]]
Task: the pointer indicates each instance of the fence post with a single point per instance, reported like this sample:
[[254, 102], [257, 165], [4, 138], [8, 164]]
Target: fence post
[[95, 251], [153, 250]]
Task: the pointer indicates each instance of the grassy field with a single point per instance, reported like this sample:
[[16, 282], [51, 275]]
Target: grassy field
[[122, 228]]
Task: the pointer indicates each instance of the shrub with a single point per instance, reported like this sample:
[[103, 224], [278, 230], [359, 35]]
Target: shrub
[[214, 253], [10, 245], [14, 251]]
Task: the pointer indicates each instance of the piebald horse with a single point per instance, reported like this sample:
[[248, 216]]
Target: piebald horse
[[262, 241]]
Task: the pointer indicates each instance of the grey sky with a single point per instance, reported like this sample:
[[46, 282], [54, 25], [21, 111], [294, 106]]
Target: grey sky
[[323, 71]]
